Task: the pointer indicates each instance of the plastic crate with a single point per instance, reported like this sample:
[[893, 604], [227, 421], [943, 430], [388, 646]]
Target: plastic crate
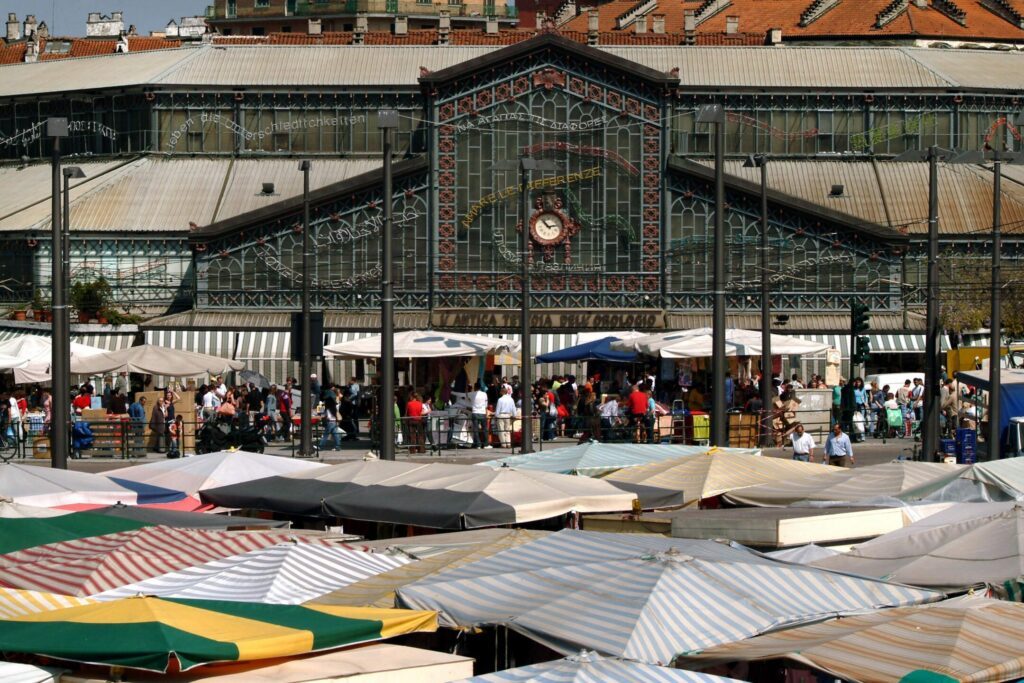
[[966, 437], [948, 446]]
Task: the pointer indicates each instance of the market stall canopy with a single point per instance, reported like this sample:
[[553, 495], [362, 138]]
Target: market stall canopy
[[432, 553], [697, 343], [11, 362], [24, 526], [803, 554], [150, 359], [49, 487], [598, 349], [425, 344], [590, 667], [210, 470], [987, 549], [18, 603], [285, 574], [12, 672], [598, 459], [437, 495], [994, 480], [903, 479], [970, 640], [181, 519], [37, 352], [87, 566], [146, 632], [643, 597], [714, 471], [1011, 395]]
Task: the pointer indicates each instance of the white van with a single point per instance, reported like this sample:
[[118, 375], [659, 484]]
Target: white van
[[895, 380]]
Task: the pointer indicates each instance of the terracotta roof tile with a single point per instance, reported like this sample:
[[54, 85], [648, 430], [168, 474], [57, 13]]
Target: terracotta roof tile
[[12, 54], [428, 37]]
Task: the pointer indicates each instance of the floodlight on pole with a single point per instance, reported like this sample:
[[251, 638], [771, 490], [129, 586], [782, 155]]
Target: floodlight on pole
[[60, 360], [525, 164], [714, 114], [387, 121]]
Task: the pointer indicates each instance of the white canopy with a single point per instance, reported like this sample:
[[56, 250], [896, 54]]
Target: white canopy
[[425, 344], [35, 353], [697, 343], [154, 360], [11, 362]]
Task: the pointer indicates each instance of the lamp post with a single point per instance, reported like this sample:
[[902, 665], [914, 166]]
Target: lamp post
[[930, 426], [387, 121], [306, 407], [715, 114], [68, 173], [525, 165], [767, 389], [57, 128]]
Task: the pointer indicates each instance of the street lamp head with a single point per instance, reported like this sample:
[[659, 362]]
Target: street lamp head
[[73, 172], [710, 113], [387, 118], [56, 127], [304, 165]]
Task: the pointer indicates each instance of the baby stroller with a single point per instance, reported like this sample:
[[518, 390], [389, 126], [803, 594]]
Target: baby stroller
[[81, 438]]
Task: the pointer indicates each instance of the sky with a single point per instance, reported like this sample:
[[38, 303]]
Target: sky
[[67, 17]]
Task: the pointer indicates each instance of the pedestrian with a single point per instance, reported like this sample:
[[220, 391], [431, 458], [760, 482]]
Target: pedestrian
[[329, 419], [284, 408], [137, 414], [837, 401], [504, 413], [117, 404], [803, 444], [414, 418], [917, 399], [176, 430], [158, 424], [838, 449], [478, 400]]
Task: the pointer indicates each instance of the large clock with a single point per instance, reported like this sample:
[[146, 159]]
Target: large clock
[[549, 227]]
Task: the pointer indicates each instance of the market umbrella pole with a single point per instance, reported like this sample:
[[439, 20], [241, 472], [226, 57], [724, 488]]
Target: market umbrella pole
[[306, 434]]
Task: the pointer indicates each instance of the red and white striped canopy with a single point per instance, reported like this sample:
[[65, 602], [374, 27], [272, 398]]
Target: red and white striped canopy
[[88, 566]]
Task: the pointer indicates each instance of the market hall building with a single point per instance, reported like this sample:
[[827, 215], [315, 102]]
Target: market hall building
[[192, 208]]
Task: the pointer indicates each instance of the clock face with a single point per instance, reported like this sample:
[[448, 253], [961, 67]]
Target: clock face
[[548, 227]]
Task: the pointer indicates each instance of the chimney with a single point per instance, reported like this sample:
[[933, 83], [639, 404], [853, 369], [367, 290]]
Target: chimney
[[362, 26], [491, 27], [43, 32], [171, 30], [30, 25], [13, 28], [315, 27], [593, 26], [732, 25], [640, 24], [122, 45], [658, 23], [31, 51], [117, 16], [444, 27], [132, 31], [689, 27], [540, 20], [775, 36], [401, 26], [93, 17]]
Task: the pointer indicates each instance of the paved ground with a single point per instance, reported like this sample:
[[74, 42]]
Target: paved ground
[[871, 452]]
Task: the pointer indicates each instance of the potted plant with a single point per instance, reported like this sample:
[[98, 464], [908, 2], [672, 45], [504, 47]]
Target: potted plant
[[89, 297], [41, 309], [19, 312], [116, 317]]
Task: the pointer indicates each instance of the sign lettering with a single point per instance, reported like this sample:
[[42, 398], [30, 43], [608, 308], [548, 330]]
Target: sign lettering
[[574, 320]]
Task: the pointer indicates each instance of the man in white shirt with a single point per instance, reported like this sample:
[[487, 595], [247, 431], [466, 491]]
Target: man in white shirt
[[504, 411], [479, 402], [803, 444]]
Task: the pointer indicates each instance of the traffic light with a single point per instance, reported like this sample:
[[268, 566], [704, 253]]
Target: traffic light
[[858, 318], [862, 353]]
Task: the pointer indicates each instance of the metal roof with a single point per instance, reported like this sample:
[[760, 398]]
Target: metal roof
[[26, 186], [391, 66], [160, 194], [234, 319], [895, 194], [800, 322]]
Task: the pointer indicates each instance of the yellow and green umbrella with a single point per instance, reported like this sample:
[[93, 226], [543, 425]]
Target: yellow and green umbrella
[[146, 632]]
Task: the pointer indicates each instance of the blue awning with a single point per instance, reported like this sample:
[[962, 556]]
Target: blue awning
[[599, 349]]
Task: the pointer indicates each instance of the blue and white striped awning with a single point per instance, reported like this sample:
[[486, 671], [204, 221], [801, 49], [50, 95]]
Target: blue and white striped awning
[[880, 343], [645, 598]]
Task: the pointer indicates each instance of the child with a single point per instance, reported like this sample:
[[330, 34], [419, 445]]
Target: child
[[177, 430]]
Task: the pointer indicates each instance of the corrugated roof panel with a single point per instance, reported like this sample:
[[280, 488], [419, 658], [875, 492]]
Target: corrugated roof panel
[[106, 71], [26, 186], [317, 65], [982, 69], [281, 320], [798, 67], [242, 192]]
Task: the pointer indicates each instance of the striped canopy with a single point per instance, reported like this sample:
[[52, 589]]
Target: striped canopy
[[437, 495], [424, 344], [986, 549], [286, 574], [146, 632], [433, 553], [903, 479], [18, 603], [641, 597], [49, 487], [25, 526], [598, 459], [590, 667], [93, 565], [803, 554], [210, 470], [715, 471], [971, 640], [153, 360]]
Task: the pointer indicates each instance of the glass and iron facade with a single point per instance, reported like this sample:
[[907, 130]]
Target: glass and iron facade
[[627, 213]]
